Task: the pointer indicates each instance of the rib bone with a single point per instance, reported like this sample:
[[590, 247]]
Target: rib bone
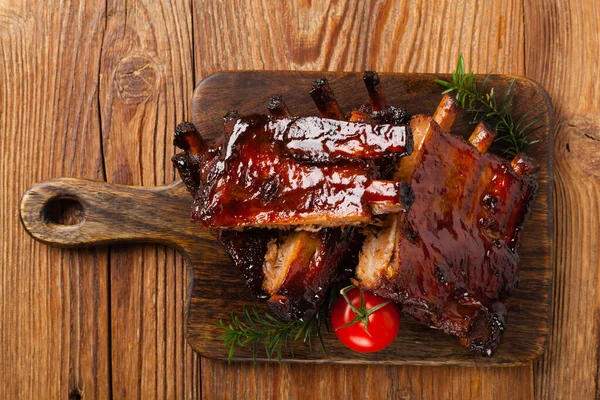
[[277, 107], [482, 137], [325, 100], [446, 112], [371, 79]]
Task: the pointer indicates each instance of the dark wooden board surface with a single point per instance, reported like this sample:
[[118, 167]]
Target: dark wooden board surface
[[113, 213]]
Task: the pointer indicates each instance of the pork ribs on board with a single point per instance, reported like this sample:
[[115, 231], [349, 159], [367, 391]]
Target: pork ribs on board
[[451, 261], [285, 193]]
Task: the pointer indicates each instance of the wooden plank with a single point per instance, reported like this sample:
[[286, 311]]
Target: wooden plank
[[292, 381], [563, 48], [53, 302], [146, 79], [353, 36]]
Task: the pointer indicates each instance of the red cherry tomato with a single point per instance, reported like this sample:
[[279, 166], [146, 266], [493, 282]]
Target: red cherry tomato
[[383, 323]]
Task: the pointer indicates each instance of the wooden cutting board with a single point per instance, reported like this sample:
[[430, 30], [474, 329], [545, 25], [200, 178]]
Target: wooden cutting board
[[106, 214]]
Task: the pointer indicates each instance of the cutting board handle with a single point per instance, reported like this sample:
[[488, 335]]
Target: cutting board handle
[[79, 212]]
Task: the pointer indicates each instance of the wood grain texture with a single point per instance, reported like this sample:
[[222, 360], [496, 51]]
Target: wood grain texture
[[53, 303], [563, 48], [49, 75], [116, 213], [268, 381], [111, 214], [145, 79], [218, 287], [354, 35], [388, 36]]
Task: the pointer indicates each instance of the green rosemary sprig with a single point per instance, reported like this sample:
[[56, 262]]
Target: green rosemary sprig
[[482, 105], [255, 329]]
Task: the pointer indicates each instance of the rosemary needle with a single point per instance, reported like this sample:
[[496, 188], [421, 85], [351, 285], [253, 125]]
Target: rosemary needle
[[254, 330], [482, 105]]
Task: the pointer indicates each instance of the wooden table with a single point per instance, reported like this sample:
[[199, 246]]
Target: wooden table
[[94, 89]]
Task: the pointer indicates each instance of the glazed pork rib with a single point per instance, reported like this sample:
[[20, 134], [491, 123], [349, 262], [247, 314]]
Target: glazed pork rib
[[277, 172], [280, 171], [451, 261], [312, 174], [300, 266]]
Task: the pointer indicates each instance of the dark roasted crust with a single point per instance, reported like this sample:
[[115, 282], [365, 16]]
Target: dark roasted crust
[[188, 166], [456, 257], [247, 250], [486, 331], [274, 172], [479, 328], [325, 100]]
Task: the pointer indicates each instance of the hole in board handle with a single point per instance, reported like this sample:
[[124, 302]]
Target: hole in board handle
[[63, 210]]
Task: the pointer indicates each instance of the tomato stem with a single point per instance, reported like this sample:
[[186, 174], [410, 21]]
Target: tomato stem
[[362, 312]]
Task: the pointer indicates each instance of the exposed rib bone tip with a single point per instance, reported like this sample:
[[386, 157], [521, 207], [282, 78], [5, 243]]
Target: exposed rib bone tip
[[376, 95], [522, 164], [274, 101], [325, 100], [319, 83], [277, 106], [187, 138], [482, 137], [371, 76], [446, 112]]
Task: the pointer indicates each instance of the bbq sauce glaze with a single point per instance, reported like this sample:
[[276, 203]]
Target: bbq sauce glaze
[[457, 252], [290, 170]]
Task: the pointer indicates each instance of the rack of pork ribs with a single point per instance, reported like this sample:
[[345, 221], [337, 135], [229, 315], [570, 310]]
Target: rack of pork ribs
[[437, 219]]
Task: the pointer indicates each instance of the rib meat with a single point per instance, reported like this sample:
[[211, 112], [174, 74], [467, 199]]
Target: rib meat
[[300, 266], [451, 261], [281, 171], [305, 175]]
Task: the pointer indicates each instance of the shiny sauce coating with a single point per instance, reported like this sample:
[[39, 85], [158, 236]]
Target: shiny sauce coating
[[459, 252], [269, 173]]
